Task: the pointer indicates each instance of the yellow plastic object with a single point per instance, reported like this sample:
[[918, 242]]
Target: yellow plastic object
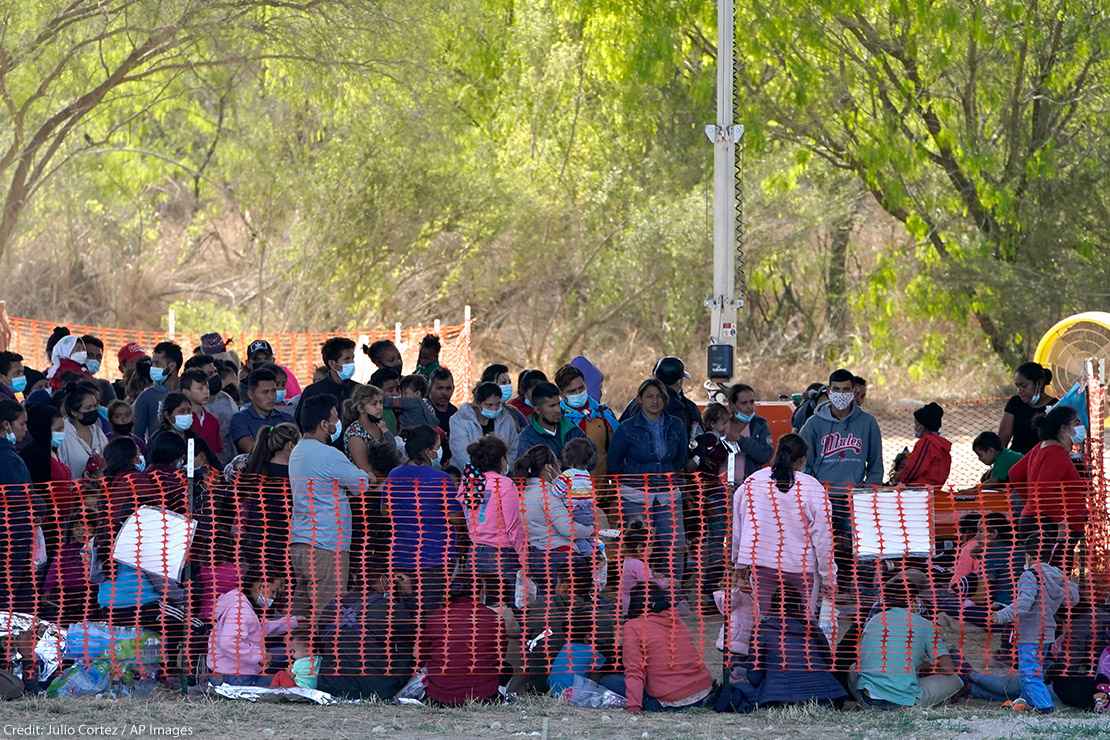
[[1070, 343]]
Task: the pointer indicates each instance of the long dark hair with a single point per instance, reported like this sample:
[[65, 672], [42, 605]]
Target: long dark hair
[[790, 450]]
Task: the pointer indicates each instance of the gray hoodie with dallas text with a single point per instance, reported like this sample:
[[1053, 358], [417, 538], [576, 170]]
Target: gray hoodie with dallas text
[[843, 451]]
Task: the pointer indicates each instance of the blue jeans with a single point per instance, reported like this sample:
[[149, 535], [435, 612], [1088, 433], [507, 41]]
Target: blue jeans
[[1031, 670], [991, 687], [497, 568], [545, 567], [615, 683], [668, 557]]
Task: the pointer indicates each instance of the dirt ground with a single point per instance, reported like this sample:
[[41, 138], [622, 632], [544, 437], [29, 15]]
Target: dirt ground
[[532, 717]]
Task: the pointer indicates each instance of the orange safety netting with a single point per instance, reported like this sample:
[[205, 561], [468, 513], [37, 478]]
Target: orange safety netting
[[480, 583], [298, 351]]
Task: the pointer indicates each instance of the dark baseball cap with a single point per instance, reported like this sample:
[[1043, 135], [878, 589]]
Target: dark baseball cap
[[259, 345], [670, 370]]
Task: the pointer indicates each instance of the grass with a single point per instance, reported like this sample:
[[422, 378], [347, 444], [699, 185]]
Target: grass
[[531, 717]]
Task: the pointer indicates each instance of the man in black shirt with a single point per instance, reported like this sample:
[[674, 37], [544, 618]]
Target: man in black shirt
[[439, 395], [339, 358]]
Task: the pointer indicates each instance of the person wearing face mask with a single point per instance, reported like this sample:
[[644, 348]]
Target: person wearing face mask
[[384, 353], [485, 415], [846, 448], [237, 644], [423, 512], [896, 645], [219, 404], [94, 361], [47, 430], [67, 363], [16, 526], [338, 354], [1054, 489], [1017, 429], [83, 435], [747, 431], [498, 374], [931, 459], [525, 383], [164, 370], [127, 357], [176, 417], [595, 420], [12, 379], [321, 479], [364, 428]]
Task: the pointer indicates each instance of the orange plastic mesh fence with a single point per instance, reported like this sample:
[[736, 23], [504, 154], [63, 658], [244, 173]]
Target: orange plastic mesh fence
[[478, 583], [299, 351]]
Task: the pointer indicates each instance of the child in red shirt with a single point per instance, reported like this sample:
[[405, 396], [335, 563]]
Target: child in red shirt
[[194, 386]]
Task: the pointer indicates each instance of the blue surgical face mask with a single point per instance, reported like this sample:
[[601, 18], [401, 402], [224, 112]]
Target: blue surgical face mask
[[744, 418], [93, 366], [280, 397], [19, 384], [103, 411], [10, 436], [56, 439], [338, 430], [1079, 434], [182, 422], [438, 456], [528, 403], [506, 391], [157, 374], [491, 413], [141, 465], [347, 371], [578, 400]]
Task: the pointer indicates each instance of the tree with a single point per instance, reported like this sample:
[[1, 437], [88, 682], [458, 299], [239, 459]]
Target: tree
[[77, 77], [980, 126]]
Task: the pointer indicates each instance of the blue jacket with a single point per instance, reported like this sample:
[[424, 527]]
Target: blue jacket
[[757, 445], [633, 450], [533, 435], [795, 664]]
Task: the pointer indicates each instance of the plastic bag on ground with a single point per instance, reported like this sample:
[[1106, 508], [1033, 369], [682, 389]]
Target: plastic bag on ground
[[414, 689], [590, 694]]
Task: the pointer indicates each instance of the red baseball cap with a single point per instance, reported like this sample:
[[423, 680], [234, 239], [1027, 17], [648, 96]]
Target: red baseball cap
[[131, 352]]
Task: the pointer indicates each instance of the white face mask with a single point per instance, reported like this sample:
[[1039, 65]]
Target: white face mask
[[841, 400], [264, 601]]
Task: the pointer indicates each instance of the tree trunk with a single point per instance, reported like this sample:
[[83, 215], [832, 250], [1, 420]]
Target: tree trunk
[[836, 277]]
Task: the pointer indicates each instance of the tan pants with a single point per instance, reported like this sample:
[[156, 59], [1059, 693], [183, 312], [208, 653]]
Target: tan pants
[[321, 577]]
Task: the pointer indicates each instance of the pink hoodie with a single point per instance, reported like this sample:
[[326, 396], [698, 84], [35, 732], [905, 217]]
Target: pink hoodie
[[499, 525], [238, 640], [789, 531]]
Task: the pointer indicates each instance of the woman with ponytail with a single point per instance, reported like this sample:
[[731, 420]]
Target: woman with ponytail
[[1018, 428], [492, 507], [781, 529]]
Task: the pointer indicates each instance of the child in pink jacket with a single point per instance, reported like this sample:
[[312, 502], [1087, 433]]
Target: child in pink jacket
[[781, 528], [237, 645], [491, 503]]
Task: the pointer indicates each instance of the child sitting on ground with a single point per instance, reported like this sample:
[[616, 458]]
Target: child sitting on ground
[[1042, 590], [237, 644], [305, 669]]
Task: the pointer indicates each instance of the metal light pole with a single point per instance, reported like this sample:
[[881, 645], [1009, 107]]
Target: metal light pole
[[725, 135]]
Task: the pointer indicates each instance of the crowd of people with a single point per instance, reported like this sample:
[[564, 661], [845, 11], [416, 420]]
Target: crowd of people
[[383, 530]]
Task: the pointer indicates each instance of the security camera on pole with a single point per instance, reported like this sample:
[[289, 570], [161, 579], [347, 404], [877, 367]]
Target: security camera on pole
[[725, 136]]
